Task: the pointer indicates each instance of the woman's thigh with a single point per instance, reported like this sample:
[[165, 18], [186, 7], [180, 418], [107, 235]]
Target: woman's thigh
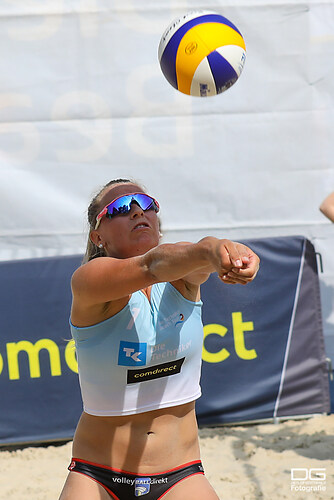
[[80, 487], [192, 488]]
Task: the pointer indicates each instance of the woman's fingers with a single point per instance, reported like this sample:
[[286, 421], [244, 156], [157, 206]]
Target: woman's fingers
[[234, 277], [236, 262], [234, 253], [247, 272]]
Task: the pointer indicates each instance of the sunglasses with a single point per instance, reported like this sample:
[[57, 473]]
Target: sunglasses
[[122, 205]]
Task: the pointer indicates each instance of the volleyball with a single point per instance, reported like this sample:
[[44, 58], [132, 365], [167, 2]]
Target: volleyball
[[202, 53]]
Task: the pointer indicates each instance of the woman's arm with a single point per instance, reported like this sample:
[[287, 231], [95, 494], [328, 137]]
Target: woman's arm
[[327, 207], [106, 279], [241, 274]]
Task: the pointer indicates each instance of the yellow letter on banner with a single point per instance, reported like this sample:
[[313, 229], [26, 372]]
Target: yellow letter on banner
[[239, 328], [221, 355], [13, 349], [70, 357]]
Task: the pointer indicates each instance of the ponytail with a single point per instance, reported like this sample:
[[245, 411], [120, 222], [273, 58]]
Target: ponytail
[[92, 250]]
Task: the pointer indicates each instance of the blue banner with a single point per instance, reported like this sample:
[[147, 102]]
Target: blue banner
[[39, 386], [263, 352]]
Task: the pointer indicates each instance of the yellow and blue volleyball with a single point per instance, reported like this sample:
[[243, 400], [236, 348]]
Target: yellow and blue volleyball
[[202, 53]]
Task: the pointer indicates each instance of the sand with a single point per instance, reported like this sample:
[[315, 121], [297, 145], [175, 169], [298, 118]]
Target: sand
[[242, 463]]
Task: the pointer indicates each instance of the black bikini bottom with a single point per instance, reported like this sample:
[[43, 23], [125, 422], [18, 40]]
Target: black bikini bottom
[[123, 485]]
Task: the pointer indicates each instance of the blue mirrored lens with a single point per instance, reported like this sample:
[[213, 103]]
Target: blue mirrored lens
[[123, 204]]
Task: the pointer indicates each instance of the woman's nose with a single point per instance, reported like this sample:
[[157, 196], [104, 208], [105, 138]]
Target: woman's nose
[[136, 210]]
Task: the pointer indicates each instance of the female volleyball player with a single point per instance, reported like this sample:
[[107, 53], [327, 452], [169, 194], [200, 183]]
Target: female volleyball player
[[136, 321]]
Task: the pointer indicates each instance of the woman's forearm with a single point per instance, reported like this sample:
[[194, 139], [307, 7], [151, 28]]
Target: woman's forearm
[[327, 207], [169, 262]]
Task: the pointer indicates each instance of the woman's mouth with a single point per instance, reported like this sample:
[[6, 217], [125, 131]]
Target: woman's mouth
[[141, 225]]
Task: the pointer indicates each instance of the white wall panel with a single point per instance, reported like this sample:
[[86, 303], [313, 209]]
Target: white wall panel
[[83, 100]]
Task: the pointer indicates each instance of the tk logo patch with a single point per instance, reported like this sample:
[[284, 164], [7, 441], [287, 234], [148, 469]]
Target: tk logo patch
[[132, 353]]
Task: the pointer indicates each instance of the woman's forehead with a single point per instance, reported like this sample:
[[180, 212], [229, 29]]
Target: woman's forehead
[[119, 190]]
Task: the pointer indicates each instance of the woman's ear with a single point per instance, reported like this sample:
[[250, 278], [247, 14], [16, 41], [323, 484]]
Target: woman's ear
[[95, 238]]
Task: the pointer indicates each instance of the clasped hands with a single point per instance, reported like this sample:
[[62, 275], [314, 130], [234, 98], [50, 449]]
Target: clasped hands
[[236, 263]]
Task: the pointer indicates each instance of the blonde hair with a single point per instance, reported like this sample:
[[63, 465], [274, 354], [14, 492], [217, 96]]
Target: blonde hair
[[93, 251]]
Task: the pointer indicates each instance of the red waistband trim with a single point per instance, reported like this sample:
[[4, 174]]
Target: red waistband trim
[[136, 473]]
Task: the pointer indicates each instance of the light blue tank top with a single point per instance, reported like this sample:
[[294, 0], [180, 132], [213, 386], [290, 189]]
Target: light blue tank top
[[146, 357]]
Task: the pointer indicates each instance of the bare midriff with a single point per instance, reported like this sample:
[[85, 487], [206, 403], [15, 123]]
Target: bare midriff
[[145, 443]]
